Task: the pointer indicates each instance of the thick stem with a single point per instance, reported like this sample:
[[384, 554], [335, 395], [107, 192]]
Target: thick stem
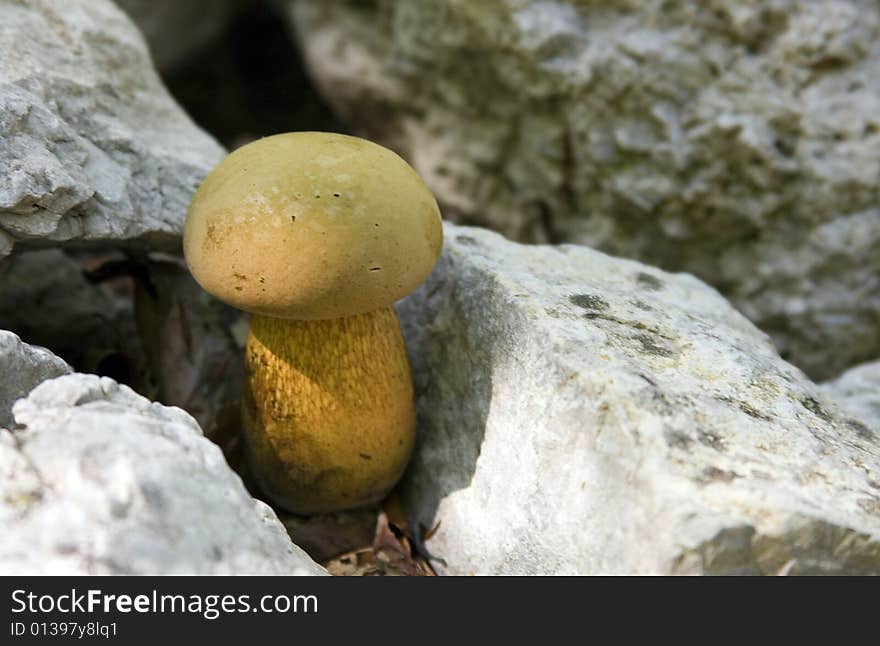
[[328, 409]]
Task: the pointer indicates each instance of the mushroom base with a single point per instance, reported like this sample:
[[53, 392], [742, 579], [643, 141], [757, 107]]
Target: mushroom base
[[328, 409]]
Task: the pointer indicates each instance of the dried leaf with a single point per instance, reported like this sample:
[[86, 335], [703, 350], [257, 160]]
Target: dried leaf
[[393, 552], [360, 562]]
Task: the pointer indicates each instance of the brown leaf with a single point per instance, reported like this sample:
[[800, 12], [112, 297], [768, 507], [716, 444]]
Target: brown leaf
[[394, 552], [394, 510], [360, 562], [390, 553]]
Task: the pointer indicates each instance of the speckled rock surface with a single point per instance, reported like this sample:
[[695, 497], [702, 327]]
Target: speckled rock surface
[[737, 141], [92, 147], [98, 480], [586, 414], [858, 391], [23, 367], [175, 30]]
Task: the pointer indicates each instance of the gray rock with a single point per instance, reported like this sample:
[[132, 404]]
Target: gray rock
[[586, 414], [176, 30], [93, 147], [23, 367], [858, 391], [98, 480], [46, 298], [737, 141], [148, 325]]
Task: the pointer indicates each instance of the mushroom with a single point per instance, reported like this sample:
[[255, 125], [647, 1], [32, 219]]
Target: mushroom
[[317, 235]]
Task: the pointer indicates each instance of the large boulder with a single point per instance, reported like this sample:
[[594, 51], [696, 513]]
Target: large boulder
[[586, 414], [737, 141], [98, 480], [23, 367], [92, 146]]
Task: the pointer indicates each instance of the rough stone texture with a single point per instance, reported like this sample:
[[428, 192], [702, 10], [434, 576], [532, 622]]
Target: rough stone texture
[[585, 414], [23, 367], [92, 147], [739, 141], [858, 391], [176, 30], [98, 480]]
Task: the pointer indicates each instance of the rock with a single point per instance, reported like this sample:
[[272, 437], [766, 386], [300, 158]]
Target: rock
[[94, 148], [98, 480], [737, 141], [858, 392], [586, 414], [148, 324], [176, 30], [23, 367], [48, 298]]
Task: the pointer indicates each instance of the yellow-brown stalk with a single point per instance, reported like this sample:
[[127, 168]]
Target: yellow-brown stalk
[[328, 409]]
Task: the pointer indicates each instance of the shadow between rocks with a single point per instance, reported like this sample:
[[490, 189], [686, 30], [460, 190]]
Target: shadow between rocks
[[452, 410], [250, 81]]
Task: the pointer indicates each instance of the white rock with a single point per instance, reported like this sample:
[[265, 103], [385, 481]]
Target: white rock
[[100, 481], [586, 414], [737, 141], [23, 367], [858, 392], [92, 147]]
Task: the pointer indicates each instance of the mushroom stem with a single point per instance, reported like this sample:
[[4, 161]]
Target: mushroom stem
[[328, 407]]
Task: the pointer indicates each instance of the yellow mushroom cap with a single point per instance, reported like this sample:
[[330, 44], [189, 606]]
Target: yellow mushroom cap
[[312, 225]]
